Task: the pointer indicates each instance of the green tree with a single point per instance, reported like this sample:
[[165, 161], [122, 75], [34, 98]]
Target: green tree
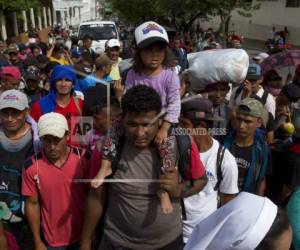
[[224, 10], [181, 13], [136, 11], [17, 5]]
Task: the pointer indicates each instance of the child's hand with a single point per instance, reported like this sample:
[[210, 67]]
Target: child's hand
[[119, 89], [161, 136]]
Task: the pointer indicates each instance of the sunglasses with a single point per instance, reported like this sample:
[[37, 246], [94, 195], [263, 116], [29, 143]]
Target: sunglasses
[[13, 54]]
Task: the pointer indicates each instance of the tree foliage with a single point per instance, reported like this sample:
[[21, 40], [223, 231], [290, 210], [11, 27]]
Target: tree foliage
[[180, 13], [135, 11], [224, 10], [18, 5]]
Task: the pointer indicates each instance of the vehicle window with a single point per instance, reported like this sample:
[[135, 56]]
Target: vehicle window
[[98, 31]]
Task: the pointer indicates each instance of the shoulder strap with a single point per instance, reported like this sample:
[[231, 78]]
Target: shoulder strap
[[264, 97], [220, 156], [184, 143], [238, 91], [184, 149], [116, 159]]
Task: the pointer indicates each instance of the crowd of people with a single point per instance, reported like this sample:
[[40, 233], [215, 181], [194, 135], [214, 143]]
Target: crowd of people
[[277, 40], [163, 167]]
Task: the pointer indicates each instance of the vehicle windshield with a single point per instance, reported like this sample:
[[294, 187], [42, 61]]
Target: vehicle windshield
[[98, 31]]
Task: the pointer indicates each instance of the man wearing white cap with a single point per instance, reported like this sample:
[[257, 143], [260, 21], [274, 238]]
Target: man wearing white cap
[[247, 222], [54, 205], [18, 142], [113, 51]]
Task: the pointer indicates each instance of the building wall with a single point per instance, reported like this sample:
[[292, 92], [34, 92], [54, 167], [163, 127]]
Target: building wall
[[271, 13], [69, 11]]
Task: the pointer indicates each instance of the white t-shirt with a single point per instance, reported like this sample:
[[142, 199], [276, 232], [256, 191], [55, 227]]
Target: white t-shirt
[[201, 205], [270, 105]]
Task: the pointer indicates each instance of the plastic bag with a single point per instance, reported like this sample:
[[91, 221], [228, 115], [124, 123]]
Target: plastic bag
[[212, 66]]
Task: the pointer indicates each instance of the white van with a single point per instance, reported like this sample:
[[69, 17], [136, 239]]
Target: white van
[[101, 31]]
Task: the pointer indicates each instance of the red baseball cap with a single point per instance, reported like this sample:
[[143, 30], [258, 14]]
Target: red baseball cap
[[10, 73]]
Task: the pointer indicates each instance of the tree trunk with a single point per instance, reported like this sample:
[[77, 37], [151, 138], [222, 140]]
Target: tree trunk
[[223, 28], [226, 27], [188, 25]]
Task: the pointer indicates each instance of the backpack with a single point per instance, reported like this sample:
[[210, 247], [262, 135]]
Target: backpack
[[262, 99], [184, 143]]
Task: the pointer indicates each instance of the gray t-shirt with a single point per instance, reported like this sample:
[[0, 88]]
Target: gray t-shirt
[[134, 218]]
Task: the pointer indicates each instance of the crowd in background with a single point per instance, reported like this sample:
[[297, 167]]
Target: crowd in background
[[221, 161]]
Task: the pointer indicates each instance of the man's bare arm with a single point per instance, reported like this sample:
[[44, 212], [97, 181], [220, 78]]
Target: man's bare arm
[[94, 210]]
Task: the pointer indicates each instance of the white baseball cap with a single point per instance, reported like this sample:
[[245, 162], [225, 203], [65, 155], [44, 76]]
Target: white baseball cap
[[13, 99], [148, 33], [261, 56], [53, 124], [113, 43]]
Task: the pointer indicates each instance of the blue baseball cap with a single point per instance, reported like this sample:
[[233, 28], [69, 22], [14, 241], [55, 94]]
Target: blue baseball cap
[[76, 53], [22, 46], [254, 72]]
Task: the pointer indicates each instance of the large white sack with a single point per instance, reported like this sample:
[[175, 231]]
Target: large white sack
[[211, 66]]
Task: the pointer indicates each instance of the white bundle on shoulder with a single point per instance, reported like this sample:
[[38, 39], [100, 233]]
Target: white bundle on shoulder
[[212, 66]]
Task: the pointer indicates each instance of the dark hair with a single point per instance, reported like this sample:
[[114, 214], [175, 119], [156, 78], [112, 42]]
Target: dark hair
[[174, 55], [50, 66], [202, 123], [279, 226], [141, 99], [74, 40], [58, 48], [207, 36], [87, 36], [33, 47], [114, 104], [138, 65]]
